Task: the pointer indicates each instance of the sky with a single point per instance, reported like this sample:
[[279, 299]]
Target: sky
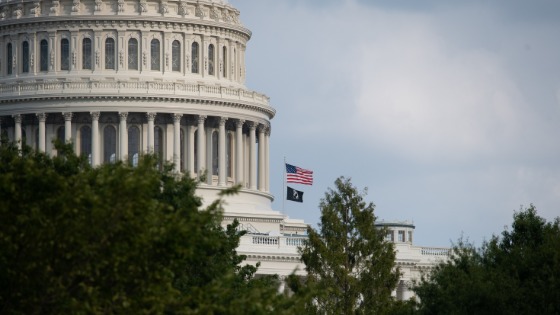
[[448, 112]]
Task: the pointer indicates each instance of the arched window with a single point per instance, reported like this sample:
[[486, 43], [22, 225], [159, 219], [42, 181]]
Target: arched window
[[155, 53], [229, 154], [25, 57], [64, 54], [85, 142], [110, 53], [9, 58], [215, 154], [176, 56], [133, 54], [44, 55], [225, 62], [195, 153], [133, 145], [109, 144], [158, 145], [86, 53], [194, 57], [182, 148], [60, 134], [211, 59]]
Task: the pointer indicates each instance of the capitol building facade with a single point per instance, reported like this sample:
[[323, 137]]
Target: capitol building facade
[[120, 78]]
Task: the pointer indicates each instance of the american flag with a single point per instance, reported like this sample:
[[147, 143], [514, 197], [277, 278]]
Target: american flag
[[298, 175]]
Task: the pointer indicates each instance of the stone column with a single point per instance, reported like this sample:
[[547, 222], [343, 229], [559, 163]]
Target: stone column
[[95, 152], [42, 117], [177, 142], [267, 159], [209, 156], [190, 149], [67, 127], [151, 117], [17, 129], [222, 170], [261, 162], [253, 156], [123, 135], [239, 151], [201, 147]]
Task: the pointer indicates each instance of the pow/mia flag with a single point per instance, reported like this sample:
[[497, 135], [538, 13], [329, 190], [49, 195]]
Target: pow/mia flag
[[294, 195]]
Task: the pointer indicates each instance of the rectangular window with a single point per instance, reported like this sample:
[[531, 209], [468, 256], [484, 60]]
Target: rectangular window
[[389, 236], [401, 236], [410, 236]]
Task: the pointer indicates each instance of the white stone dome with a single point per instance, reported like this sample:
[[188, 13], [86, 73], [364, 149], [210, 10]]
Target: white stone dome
[[123, 77]]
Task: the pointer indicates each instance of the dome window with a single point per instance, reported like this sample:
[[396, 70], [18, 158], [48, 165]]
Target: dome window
[[64, 54], [195, 57], [25, 57], [110, 53], [155, 53], [176, 56], [86, 54], [133, 54], [44, 55]]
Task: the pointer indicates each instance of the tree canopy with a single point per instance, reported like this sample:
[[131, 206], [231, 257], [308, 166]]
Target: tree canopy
[[515, 273], [350, 266], [117, 239]]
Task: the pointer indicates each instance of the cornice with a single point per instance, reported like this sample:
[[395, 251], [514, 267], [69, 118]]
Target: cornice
[[276, 258], [123, 23], [166, 12]]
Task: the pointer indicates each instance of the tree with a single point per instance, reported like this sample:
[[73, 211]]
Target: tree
[[517, 273], [117, 239], [348, 260]]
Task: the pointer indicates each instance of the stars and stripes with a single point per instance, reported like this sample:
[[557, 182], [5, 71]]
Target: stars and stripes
[[298, 175]]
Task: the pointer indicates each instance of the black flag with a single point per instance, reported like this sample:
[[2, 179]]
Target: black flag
[[295, 195]]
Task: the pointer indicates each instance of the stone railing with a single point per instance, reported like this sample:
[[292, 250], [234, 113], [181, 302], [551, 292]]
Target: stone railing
[[9, 91], [274, 241], [435, 251]]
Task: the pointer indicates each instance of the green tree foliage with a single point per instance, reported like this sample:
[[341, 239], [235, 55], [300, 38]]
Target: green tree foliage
[[117, 240], [351, 268], [517, 273]]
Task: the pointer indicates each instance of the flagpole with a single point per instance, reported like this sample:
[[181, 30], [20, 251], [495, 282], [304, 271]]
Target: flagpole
[[284, 187]]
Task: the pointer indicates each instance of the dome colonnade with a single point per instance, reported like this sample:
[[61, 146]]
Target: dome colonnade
[[124, 77]]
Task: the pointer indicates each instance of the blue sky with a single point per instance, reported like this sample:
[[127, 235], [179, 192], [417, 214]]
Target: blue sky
[[448, 111]]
